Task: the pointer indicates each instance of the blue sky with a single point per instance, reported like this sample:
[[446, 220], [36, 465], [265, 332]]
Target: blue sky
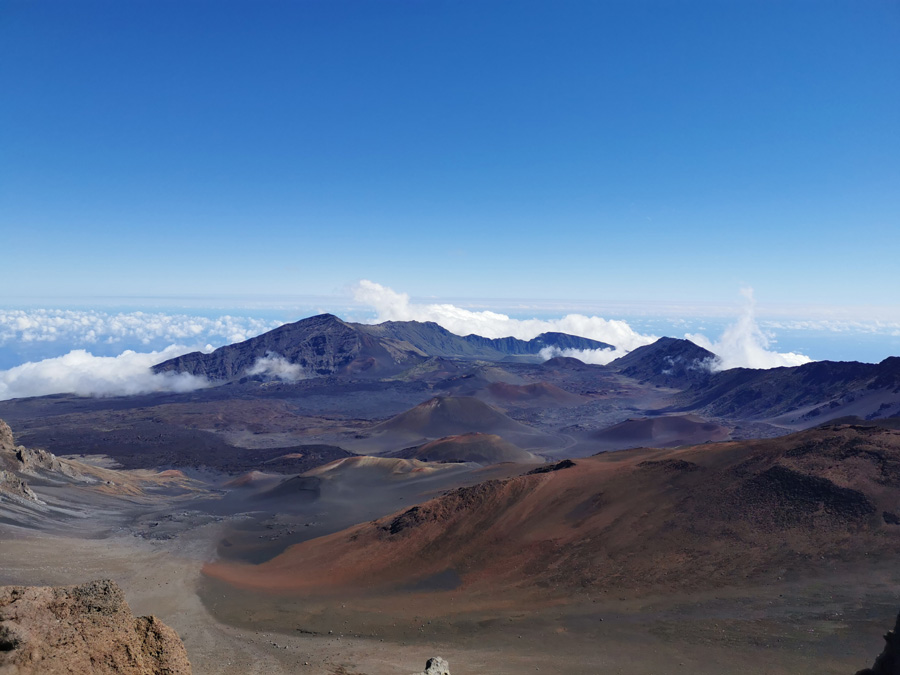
[[604, 151]]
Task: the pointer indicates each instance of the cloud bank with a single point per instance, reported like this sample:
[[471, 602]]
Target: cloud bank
[[744, 345], [80, 372], [392, 306], [598, 357]]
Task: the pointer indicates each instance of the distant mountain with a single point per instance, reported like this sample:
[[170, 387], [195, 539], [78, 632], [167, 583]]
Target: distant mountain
[[326, 345], [804, 395], [321, 345], [436, 340], [668, 362]]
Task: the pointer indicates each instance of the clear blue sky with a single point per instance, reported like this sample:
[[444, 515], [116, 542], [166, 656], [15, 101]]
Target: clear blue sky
[[599, 150]]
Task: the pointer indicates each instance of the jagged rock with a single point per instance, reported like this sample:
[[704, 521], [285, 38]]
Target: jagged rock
[[888, 662], [33, 462], [90, 628], [6, 437], [14, 487], [436, 666]]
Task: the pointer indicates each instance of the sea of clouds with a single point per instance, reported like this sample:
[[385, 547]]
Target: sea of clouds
[[99, 353], [103, 353], [92, 327]]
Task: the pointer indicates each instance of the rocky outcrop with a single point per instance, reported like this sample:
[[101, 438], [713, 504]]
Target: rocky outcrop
[[888, 662], [7, 442], [16, 461], [13, 487], [436, 666], [83, 629], [32, 461]]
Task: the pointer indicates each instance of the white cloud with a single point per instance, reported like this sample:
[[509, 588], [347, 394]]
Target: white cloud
[[80, 372], [276, 366], [834, 326], [744, 345], [392, 306], [599, 357]]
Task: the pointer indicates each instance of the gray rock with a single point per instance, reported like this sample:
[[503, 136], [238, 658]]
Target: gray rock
[[11, 486], [436, 666]]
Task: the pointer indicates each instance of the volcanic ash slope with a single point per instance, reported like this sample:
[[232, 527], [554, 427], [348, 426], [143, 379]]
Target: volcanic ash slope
[[650, 521]]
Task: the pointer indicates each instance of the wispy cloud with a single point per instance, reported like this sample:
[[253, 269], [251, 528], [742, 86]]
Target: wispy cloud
[[80, 372], [744, 344], [276, 366]]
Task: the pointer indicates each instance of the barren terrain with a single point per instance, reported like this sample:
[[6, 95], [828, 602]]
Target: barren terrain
[[405, 503]]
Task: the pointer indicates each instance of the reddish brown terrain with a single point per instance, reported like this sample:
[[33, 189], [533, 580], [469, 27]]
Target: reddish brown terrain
[[783, 545], [472, 447], [645, 521], [83, 629], [660, 432]]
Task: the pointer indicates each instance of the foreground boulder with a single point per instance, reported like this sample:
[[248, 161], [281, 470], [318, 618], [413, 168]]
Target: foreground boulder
[[436, 666], [888, 662], [90, 628]]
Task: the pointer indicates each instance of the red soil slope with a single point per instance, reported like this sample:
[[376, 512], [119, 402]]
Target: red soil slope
[[646, 520]]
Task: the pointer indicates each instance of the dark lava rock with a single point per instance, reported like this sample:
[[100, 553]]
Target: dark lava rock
[[564, 464], [888, 662]]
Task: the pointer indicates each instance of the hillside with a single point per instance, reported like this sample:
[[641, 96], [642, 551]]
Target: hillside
[[638, 521], [444, 416], [472, 447], [800, 396]]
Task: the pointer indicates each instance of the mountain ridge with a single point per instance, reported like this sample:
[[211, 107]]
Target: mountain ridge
[[327, 345]]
